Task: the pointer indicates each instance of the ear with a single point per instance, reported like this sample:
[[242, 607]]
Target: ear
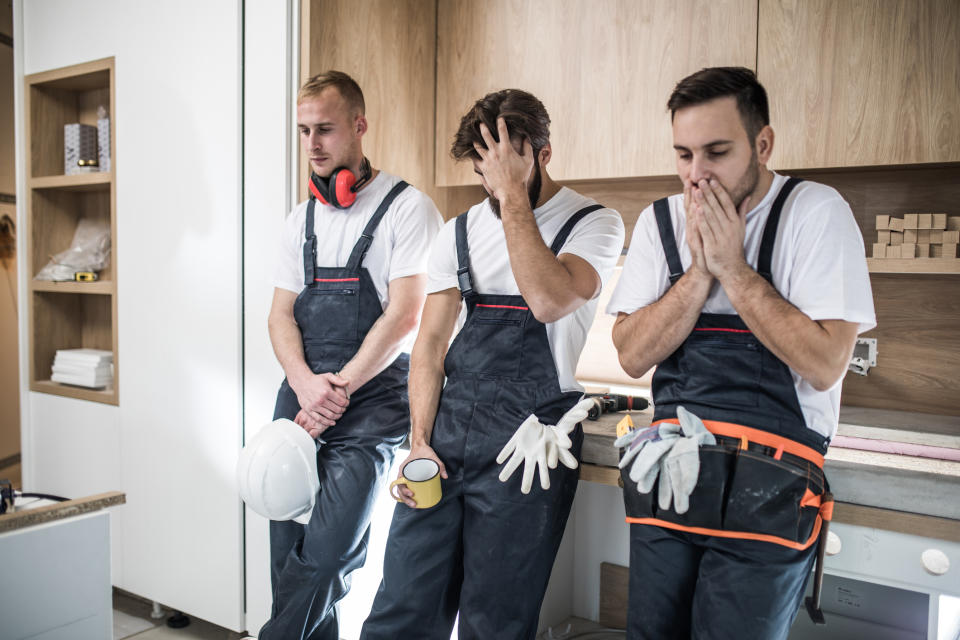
[[764, 144], [545, 154], [361, 125]]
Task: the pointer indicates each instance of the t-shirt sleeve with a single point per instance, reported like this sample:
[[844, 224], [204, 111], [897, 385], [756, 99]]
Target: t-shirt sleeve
[[640, 283], [829, 279], [598, 239], [417, 222], [442, 265], [288, 273]]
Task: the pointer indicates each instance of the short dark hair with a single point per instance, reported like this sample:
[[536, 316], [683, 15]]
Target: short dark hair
[[525, 115], [719, 82], [347, 86]]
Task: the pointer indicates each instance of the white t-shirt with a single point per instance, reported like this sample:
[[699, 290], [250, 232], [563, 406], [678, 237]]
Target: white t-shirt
[[400, 242], [818, 265], [597, 238]]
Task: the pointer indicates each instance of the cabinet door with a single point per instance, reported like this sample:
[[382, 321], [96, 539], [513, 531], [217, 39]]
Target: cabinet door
[[603, 68], [861, 82]]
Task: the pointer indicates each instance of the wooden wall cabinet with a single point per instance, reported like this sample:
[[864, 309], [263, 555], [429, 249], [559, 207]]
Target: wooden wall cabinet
[[65, 315], [861, 82], [603, 68]]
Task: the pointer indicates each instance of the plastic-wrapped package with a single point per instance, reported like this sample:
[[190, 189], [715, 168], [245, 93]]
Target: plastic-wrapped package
[[89, 251]]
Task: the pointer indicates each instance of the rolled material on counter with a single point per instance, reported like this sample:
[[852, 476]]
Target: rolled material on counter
[[901, 448]]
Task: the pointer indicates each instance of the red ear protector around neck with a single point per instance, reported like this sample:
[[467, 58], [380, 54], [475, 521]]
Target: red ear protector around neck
[[340, 189]]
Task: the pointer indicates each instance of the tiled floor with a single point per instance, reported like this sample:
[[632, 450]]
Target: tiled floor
[[131, 619]]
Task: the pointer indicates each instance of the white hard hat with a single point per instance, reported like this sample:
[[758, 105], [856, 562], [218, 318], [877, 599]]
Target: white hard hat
[[277, 472]]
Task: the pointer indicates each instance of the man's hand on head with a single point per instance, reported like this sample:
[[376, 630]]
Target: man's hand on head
[[506, 173], [722, 227]]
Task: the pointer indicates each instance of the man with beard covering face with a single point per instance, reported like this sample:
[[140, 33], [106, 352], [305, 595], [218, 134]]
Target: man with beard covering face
[[747, 292], [526, 266]]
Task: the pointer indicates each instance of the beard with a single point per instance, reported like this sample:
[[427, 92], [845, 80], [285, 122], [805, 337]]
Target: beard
[[533, 190], [747, 182]]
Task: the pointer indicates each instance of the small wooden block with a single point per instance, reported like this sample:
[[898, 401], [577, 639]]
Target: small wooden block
[[910, 236], [896, 224], [950, 237], [893, 251], [879, 250], [923, 251], [923, 236], [949, 250], [953, 223], [939, 221], [924, 220], [936, 236], [896, 238], [910, 221], [883, 222], [908, 250], [883, 236], [936, 250]]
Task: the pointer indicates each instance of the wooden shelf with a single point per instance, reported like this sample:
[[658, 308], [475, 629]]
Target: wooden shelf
[[106, 396], [100, 287], [80, 182], [915, 265], [68, 315]]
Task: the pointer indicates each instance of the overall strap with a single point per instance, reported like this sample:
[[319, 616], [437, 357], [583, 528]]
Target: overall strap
[[661, 209], [770, 229], [464, 281], [309, 247], [568, 226], [363, 243]]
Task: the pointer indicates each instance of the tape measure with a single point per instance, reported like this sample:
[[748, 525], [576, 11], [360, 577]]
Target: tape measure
[[85, 276]]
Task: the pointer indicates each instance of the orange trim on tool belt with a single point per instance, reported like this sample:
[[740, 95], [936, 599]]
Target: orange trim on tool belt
[[765, 438], [739, 535], [503, 306]]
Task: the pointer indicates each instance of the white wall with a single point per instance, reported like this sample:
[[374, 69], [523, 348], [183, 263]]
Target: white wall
[[178, 261], [270, 71]]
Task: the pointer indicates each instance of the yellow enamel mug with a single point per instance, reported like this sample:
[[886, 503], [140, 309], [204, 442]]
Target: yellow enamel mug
[[422, 477]]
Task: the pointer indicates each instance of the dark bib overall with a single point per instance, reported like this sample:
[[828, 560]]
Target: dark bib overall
[[310, 564], [759, 488], [486, 550]]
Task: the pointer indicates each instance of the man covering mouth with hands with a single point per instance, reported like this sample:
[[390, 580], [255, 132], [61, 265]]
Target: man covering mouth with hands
[[747, 293]]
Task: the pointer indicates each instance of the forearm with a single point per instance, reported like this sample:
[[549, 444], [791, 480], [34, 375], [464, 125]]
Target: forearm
[[287, 344], [545, 283], [818, 355], [649, 335], [380, 347], [426, 383]]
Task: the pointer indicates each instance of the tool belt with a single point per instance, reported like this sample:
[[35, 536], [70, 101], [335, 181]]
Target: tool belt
[[752, 485]]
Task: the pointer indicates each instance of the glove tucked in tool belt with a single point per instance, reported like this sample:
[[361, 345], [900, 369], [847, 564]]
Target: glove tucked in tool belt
[[750, 484]]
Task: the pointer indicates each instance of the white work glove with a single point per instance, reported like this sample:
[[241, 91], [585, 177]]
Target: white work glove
[[558, 442], [528, 445], [646, 448], [682, 466]]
